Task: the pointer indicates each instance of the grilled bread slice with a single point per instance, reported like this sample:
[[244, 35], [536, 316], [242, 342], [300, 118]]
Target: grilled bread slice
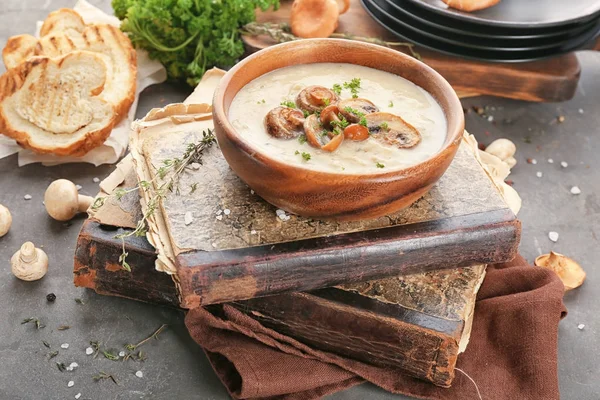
[[63, 32], [55, 105]]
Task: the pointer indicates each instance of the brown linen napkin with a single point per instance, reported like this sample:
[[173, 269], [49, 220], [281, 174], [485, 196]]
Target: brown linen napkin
[[512, 353]]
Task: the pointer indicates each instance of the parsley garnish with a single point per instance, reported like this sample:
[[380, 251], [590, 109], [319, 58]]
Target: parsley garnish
[[306, 113], [261, 101], [326, 102], [379, 165], [384, 126], [337, 89], [302, 139], [342, 123], [353, 85], [391, 104], [361, 115], [296, 152], [306, 156], [288, 103]]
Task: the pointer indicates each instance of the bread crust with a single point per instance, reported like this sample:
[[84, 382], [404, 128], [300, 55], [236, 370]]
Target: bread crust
[[14, 79], [62, 33]]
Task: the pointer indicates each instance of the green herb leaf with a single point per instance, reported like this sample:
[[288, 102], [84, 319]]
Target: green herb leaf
[[302, 139], [45, 343], [61, 367], [63, 327], [337, 89], [384, 126], [79, 301], [391, 104], [110, 356], [379, 165], [189, 36], [306, 156], [288, 103], [353, 85], [52, 355]]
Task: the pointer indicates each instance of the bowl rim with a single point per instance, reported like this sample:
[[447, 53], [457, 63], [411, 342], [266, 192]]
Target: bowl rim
[[454, 133]]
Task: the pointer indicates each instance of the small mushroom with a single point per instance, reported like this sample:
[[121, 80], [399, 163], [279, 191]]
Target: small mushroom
[[5, 220], [392, 130], [470, 5], [356, 132], [63, 201], [354, 109], [344, 5], [570, 272], [504, 149], [319, 137], [29, 263], [284, 122], [315, 98], [329, 115], [314, 18]]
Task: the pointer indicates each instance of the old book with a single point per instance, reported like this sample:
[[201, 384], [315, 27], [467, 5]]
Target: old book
[[235, 247], [417, 323]]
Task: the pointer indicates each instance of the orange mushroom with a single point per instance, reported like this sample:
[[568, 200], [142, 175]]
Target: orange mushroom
[[314, 18], [471, 5], [344, 5], [568, 270]]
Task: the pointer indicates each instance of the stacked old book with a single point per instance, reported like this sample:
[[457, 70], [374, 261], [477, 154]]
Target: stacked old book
[[395, 291]]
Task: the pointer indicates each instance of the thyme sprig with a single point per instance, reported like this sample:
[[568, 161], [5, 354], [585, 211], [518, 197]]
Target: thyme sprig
[[165, 181], [103, 375], [133, 347], [282, 33]]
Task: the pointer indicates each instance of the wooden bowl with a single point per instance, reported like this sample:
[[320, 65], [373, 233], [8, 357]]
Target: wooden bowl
[[319, 194]]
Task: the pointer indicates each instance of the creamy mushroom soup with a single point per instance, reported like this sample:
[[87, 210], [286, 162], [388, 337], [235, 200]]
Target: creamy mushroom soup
[[386, 121]]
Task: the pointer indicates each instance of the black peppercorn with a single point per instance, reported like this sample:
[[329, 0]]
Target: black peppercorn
[[50, 297]]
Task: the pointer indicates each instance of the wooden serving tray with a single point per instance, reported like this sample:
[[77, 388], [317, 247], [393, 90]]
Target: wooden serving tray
[[548, 80]]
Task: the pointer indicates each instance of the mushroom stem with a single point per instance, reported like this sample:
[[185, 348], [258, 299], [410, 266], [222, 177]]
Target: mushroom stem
[[84, 202], [28, 253]]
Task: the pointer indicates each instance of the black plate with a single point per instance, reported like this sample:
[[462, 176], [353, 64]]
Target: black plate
[[423, 40], [407, 9], [403, 18], [522, 13]]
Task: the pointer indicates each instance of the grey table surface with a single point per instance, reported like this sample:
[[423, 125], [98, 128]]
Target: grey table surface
[[176, 367]]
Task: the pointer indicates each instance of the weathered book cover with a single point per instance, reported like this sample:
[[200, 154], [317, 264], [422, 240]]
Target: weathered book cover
[[418, 323], [233, 245]]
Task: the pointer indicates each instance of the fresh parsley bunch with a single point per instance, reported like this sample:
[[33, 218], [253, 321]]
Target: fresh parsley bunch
[[189, 36]]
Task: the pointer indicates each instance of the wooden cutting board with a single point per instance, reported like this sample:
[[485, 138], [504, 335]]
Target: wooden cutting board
[[548, 80]]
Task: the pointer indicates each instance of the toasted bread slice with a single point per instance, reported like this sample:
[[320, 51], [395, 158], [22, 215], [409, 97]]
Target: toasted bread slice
[[63, 32], [52, 105]]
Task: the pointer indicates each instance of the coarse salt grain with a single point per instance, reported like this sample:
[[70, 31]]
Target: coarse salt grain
[[214, 245], [71, 384], [564, 164], [580, 111], [27, 197], [580, 327], [539, 174], [252, 192], [78, 395], [227, 211], [139, 374], [65, 345], [553, 236], [78, 187], [279, 212], [490, 118], [89, 351], [575, 190], [195, 166], [121, 354], [533, 161], [253, 232], [188, 218], [95, 180], [550, 161], [73, 365], [219, 212], [219, 217]]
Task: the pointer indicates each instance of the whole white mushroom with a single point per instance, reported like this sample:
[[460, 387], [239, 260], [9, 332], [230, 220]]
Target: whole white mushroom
[[63, 201], [5, 220], [29, 263]]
